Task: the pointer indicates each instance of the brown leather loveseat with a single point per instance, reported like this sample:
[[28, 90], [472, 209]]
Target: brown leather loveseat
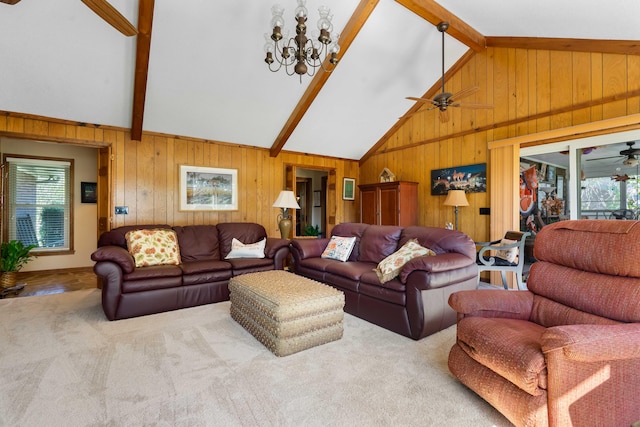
[[201, 277], [414, 304]]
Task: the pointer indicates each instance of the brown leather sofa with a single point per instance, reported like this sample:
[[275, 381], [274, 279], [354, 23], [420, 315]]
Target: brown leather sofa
[[201, 278], [415, 303], [565, 352]]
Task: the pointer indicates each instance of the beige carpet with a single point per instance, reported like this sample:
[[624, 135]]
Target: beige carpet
[[63, 364]]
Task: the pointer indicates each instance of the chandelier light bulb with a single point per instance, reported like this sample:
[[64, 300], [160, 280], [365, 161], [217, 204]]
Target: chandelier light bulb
[[334, 47], [301, 10], [324, 23], [269, 46], [277, 20]]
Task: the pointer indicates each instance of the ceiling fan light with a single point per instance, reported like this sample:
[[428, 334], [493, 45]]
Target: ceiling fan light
[[631, 161]]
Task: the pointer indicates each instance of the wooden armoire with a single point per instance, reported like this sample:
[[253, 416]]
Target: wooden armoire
[[389, 203]]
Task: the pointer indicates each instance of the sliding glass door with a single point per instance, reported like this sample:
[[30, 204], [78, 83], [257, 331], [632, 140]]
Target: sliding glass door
[[595, 177]]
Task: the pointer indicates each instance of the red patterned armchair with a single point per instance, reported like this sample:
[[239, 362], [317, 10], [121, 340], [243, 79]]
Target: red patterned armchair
[[565, 352]]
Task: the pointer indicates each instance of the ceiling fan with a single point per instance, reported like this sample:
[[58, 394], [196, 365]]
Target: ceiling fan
[[630, 154], [107, 12], [444, 100], [621, 178]]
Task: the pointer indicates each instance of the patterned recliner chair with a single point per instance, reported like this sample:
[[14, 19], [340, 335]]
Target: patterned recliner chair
[[566, 352]]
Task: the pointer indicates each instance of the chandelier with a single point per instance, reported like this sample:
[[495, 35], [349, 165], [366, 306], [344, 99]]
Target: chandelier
[[307, 54]]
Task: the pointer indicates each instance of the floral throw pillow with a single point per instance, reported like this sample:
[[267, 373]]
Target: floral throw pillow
[[156, 246], [508, 254], [251, 250], [339, 248], [390, 267]]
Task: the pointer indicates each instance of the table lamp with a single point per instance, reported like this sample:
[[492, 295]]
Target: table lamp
[[286, 200], [456, 198]]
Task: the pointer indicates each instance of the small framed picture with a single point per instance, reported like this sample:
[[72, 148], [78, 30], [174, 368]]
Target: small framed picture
[[89, 192], [551, 174], [349, 189], [316, 199]]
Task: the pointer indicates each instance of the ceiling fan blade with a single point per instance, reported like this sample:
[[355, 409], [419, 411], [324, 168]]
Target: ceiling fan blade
[[444, 116], [422, 110], [111, 15], [9, 1], [605, 158], [464, 93], [420, 99]]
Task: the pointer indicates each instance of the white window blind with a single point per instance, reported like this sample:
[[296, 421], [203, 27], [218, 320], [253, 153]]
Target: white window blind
[[39, 202]]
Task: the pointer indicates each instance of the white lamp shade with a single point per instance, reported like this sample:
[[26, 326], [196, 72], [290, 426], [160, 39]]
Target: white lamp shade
[[456, 198], [286, 200]]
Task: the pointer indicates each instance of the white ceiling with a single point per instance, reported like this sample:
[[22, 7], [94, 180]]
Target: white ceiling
[[207, 78]]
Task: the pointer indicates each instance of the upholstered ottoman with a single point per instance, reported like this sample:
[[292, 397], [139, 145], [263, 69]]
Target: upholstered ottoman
[[285, 312]]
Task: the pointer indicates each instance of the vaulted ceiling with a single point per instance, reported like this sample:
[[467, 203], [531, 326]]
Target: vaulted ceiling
[[196, 67]]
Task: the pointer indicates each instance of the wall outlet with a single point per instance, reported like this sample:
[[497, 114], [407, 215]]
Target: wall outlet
[[122, 210]]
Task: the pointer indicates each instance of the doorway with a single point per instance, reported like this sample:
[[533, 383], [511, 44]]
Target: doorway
[[316, 196], [608, 174]]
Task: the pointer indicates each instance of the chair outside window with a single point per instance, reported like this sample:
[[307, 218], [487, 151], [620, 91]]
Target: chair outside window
[[504, 255], [622, 214]]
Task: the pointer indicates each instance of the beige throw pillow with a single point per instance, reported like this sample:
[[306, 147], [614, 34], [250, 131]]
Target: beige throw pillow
[[390, 267], [508, 254], [158, 246]]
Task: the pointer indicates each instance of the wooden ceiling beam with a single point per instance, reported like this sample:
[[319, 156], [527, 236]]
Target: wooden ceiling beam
[[110, 14], [351, 30], [458, 29], [143, 49], [625, 47]]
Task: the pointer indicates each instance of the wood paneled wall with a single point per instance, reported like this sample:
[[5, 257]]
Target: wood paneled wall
[[145, 174], [532, 91]]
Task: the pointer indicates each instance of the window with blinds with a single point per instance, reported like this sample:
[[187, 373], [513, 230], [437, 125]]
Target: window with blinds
[[39, 202]]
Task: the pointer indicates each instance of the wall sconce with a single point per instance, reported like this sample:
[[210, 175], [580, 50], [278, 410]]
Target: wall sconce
[[286, 200], [456, 198]]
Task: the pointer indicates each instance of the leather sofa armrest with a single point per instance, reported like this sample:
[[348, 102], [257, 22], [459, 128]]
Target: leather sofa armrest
[[309, 248], [111, 275], [115, 254], [274, 244], [492, 303], [593, 343], [435, 264]]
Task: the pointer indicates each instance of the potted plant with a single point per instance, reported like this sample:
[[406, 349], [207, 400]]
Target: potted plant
[[312, 231], [14, 255]]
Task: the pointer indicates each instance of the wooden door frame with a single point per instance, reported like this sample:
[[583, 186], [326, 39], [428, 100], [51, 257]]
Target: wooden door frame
[[330, 197]]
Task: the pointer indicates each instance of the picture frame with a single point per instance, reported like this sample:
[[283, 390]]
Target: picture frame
[[208, 189], [551, 174], [316, 199], [348, 189], [470, 178], [88, 192]]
